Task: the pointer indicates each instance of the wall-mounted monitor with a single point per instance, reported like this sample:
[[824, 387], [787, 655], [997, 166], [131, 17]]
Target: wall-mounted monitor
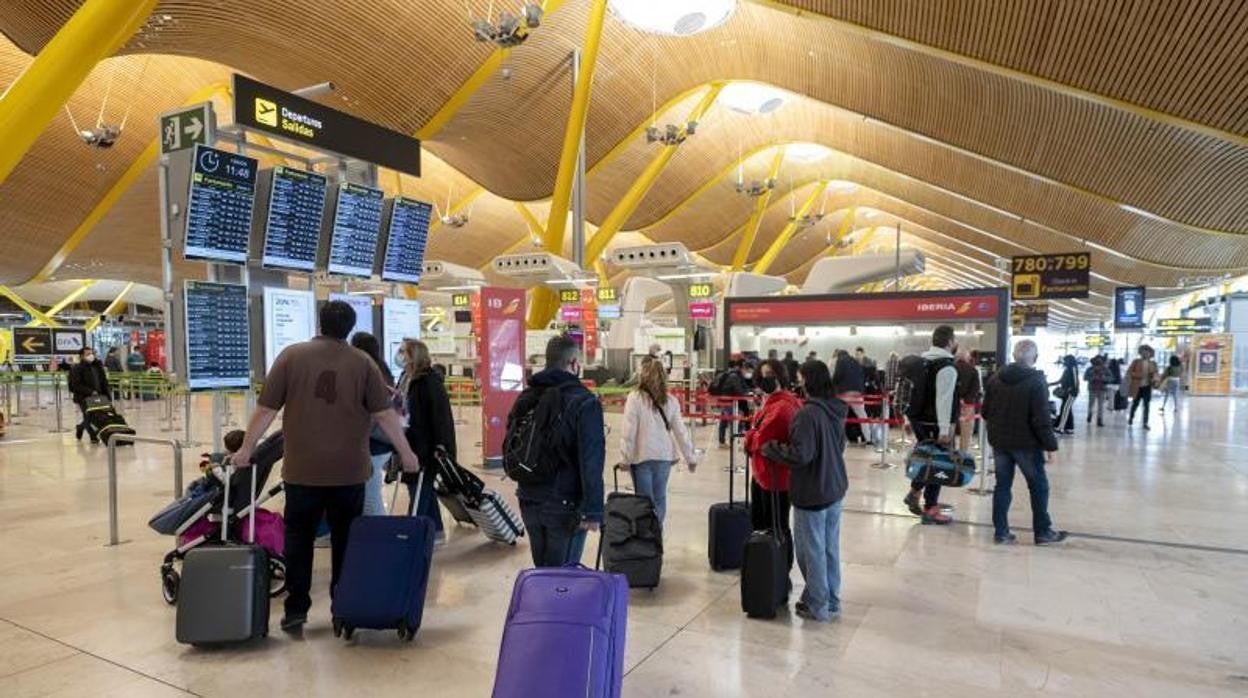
[[292, 220], [354, 227], [218, 338], [289, 318], [219, 206], [404, 259]]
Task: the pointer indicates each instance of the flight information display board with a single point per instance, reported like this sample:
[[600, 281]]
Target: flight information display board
[[220, 204], [404, 259], [293, 229], [355, 230], [218, 340]]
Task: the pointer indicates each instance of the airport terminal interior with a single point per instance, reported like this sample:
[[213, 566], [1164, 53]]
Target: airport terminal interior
[[690, 194]]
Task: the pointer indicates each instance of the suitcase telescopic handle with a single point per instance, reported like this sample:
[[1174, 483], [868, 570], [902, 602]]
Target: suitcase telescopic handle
[[230, 468], [411, 507]]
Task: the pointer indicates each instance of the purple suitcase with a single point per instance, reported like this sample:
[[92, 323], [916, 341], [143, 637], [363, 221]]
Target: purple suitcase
[[564, 635]]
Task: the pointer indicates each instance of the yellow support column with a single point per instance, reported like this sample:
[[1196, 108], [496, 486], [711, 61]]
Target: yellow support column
[[30, 309], [777, 245], [111, 309], [62, 304], [96, 31], [641, 186], [756, 217], [544, 302]]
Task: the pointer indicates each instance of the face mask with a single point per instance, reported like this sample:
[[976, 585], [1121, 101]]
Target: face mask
[[89, 358], [400, 360], [769, 384], [748, 374]]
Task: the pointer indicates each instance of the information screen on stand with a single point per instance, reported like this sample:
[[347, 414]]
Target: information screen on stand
[[289, 318], [218, 340], [355, 230], [220, 204], [405, 247], [293, 229], [400, 319]]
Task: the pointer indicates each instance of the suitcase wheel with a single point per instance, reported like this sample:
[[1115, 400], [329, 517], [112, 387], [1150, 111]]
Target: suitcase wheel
[[342, 630], [277, 577], [406, 634], [170, 580]]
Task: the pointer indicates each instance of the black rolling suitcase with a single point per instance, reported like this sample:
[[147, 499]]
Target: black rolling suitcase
[[729, 522], [224, 595], [633, 538], [765, 569], [103, 420]]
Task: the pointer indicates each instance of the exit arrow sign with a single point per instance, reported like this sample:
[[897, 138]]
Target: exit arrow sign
[[184, 128]]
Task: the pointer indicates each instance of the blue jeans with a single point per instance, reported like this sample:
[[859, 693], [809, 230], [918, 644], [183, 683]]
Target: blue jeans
[[650, 480], [374, 504], [1031, 462], [554, 532], [817, 537]]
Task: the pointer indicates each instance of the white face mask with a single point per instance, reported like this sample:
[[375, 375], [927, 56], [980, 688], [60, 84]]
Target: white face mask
[[89, 358], [400, 360], [748, 374]]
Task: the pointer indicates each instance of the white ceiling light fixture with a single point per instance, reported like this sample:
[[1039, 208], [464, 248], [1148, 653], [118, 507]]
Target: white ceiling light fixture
[[673, 17], [806, 153], [752, 97]]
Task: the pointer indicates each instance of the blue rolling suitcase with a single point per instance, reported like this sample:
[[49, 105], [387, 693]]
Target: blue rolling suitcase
[[385, 573], [564, 635]]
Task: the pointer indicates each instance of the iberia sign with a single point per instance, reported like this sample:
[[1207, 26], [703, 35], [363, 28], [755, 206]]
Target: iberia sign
[[783, 310], [287, 115]]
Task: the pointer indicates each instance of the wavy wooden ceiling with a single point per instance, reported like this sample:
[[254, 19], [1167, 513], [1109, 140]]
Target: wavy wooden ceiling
[[996, 127]]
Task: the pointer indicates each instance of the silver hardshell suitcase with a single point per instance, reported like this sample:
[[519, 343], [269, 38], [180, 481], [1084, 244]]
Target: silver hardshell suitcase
[[224, 594]]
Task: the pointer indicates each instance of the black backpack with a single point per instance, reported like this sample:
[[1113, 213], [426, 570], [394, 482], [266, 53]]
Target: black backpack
[[532, 454], [916, 386], [719, 386]]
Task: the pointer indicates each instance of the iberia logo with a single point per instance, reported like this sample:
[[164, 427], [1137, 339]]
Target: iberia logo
[[266, 112], [512, 307], [963, 309]]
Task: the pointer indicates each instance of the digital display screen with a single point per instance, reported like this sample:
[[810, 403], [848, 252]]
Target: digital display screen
[[293, 229], [289, 318], [400, 320], [218, 339], [356, 229], [220, 204], [405, 247], [1129, 307]]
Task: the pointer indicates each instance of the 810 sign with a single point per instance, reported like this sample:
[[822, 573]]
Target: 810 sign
[[700, 290]]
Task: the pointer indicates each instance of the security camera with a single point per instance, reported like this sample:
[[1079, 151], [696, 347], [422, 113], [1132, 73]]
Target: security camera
[[533, 15], [102, 136]]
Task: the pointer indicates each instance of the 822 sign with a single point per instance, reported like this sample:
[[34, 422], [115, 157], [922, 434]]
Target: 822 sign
[[1051, 276]]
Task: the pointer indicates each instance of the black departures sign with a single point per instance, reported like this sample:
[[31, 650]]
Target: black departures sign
[[266, 108], [1051, 276]]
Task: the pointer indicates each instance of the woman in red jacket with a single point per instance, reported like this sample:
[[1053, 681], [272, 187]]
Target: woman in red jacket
[[771, 423]]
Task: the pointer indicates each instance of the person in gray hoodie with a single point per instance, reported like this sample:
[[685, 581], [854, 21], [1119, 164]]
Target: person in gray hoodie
[[816, 455]]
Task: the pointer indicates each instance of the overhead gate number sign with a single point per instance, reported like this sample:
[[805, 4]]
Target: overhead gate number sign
[[1051, 276]]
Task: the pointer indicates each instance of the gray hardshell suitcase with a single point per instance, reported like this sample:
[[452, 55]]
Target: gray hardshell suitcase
[[224, 596]]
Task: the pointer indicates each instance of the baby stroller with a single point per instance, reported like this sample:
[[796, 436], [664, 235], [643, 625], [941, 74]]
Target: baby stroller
[[195, 518]]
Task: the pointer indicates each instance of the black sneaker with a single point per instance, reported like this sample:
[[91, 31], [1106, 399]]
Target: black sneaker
[[1007, 539], [78, 432], [294, 622], [1051, 537], [912, 503]]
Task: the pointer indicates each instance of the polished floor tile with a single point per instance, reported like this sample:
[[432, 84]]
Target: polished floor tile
[[1147, 602]]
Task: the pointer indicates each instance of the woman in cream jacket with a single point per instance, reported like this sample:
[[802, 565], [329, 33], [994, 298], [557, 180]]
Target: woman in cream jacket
[[654, 436]]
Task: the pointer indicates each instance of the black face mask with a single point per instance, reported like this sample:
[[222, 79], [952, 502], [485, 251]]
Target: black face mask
[[769, 384]]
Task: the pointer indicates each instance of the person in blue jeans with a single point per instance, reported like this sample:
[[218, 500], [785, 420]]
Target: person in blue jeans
[[1020, 431], [559, 510], [653, 430], [815, 454], [379, 448]]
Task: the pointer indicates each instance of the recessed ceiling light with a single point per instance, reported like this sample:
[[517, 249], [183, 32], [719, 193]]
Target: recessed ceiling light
[[752, 97], [672, 17], [806, 152]]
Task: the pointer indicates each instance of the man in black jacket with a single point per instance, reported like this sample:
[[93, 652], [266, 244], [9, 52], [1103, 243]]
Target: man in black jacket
[[87, 378], [816, 455], [557, 513], [1016, 409]]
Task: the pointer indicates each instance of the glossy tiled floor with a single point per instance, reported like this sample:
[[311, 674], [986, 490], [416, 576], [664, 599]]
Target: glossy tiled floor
[[928, 611]]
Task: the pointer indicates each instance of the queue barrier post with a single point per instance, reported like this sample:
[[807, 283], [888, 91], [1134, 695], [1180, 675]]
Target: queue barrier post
[[17, 409], [113, 440], [982, 489], [56, 392], [885, 413], [38, 393]]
